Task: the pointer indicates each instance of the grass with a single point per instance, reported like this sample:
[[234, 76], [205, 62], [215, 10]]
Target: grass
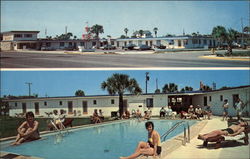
[[9, 125]]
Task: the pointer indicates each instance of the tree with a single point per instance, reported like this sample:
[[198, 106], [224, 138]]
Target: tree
[[157, 91], [170, 88], [246, 29], [97, 29], [123, 37], [231, 36], [219, 33], [187, 88], [64, 36], [79, 93], [119, 84], [206, 88], [155, 30], [141, 32], [126, 31]]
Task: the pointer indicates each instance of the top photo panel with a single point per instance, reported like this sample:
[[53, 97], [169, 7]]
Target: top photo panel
[[124, 34]]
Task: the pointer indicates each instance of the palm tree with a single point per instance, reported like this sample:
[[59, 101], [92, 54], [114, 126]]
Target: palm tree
[[171, 87], [79, 93], [155, 30], [219, 33], [97, 29], [126, 31], [119, 84], [231, 36]]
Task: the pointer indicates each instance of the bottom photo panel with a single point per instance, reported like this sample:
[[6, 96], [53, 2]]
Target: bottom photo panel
[[126, 114]]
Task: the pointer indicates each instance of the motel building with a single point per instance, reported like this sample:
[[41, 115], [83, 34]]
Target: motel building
[[173, 42], [84, 106], [19, 40]]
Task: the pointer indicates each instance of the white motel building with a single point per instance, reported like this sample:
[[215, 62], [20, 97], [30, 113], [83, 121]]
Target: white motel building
[[28, 40], [84, 106]]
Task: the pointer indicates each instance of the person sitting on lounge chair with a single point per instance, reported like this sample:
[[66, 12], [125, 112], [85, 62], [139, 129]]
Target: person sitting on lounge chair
[[28, 130], [233, 130], [57, 119], [191, 112], [162, 112], [101, 115], [95, 118]]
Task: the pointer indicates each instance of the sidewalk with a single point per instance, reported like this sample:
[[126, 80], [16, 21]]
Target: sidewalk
[[195, 150]]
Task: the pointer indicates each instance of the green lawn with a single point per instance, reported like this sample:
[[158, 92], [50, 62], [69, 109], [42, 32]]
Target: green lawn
[[9, 125]]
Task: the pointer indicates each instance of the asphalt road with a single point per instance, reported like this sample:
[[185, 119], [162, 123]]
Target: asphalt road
[[126, 60]]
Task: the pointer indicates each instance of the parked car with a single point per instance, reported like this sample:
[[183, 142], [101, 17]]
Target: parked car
[[160, 46], [129, 47], [108, 47], [142, 47]]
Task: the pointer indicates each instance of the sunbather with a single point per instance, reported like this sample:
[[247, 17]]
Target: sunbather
[[152, 147], [95, 118], [28, 130], [233, 130]]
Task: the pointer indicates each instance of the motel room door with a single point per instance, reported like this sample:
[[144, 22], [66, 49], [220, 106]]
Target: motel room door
[[37, 108], [84, 107], [70, 107], [24, 108]]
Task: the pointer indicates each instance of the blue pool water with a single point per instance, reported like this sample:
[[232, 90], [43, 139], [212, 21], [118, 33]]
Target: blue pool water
[[109, 141]]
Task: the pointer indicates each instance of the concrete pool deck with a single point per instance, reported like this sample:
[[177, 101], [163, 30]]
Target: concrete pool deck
[[195, 150]]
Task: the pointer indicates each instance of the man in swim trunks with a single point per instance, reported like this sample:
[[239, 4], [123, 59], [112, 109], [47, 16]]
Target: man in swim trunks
[[233, 130], [28, 130]]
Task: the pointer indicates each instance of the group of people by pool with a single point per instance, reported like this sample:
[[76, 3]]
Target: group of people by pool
[[238, 106], [97, 117], [191, 113]]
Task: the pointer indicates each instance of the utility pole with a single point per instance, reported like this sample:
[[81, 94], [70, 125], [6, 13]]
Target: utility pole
[[29, 84], [66, 29], [147, 79], [156, 84], [242, 32]]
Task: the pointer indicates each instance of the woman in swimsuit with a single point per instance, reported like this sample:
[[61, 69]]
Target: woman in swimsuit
[[233, 130], [28, 130], [152, 147]]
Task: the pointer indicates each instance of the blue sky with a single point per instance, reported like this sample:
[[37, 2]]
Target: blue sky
[[168, 16], [65, 83]]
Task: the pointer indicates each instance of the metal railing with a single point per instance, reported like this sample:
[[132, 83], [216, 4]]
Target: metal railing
[[185, 131]]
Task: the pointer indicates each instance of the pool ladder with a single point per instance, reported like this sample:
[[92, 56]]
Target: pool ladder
[[186, 132]]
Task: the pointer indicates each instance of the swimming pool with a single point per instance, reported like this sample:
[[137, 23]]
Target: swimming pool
[[107, 141]]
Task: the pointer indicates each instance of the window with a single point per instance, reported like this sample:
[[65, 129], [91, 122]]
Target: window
[[149, 102], [221, 97], [45, 103], [195, 41], [235, 98], [185, 42], [18, 35], [112, 101], [48, 44], [70, 43], [94, 43], [112, 42], [61, 43], [199, 41], [210, 98], [205, 42], [81, 43], [179, 100], [60, 103], [15, 104], [28, 35], [94, 102]]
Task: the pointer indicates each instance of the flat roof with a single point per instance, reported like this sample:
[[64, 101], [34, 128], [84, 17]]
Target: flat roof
[[19, 31]]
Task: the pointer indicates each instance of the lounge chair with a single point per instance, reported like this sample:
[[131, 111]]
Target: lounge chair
[[219, 139]]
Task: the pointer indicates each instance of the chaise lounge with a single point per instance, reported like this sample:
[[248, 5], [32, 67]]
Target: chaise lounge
[[219, 139]]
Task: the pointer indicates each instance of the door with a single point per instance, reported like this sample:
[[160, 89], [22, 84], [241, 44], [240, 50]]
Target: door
[[37, 108], [84, 107], [205, 101], [70, 107], [24, 108]]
